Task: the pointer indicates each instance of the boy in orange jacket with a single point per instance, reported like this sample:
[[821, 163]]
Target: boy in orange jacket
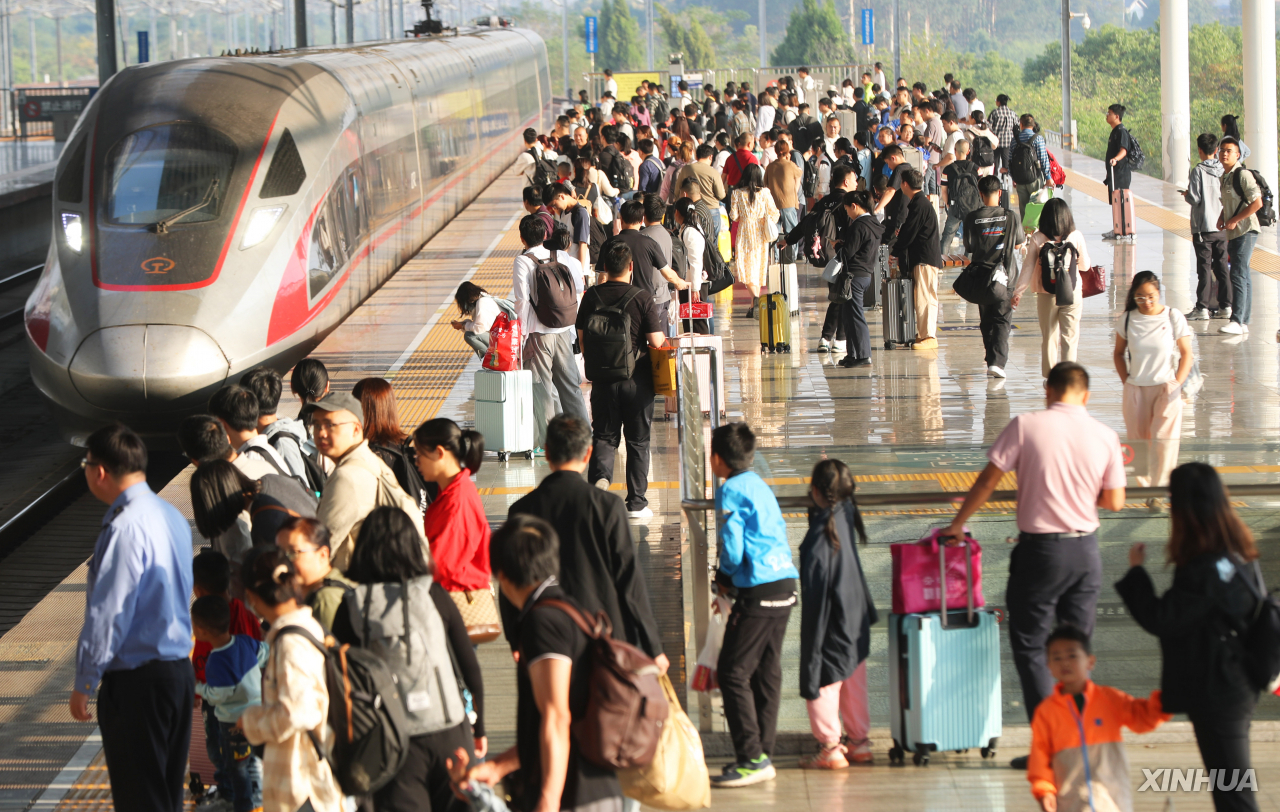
[[1077, 757]]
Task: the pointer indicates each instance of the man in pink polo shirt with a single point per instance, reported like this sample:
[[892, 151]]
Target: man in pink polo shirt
[[1068, 465]]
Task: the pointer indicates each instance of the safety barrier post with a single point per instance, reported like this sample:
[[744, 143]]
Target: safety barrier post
[[693, 487]]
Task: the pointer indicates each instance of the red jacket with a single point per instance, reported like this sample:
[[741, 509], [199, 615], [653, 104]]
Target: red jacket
[[458, 532], [242, 622]]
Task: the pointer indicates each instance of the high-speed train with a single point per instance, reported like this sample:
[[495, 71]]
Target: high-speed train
[[215, 214]]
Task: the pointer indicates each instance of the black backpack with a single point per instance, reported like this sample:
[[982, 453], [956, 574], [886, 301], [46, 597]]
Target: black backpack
[[544, 171], [1267, 214], [1059, 264], [714, 266], [316, 476], [963, 191], [679, 261], [1136, 158], [367, 716], [809, 181], [402, 460], [982, 154], [1024, 163], [607, 353], [1262, 639], [823, 247], [552, 292], [617, 168]]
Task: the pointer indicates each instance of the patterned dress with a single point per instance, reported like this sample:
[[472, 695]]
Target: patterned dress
[[751, 248]]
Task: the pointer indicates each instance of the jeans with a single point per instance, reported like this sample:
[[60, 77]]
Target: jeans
[[949, 230], [1239, 251], [214, 747], [623, 407], [854, 318], [1213, 275], [478, 342], [243, 767], [788, 219], [550, 357]]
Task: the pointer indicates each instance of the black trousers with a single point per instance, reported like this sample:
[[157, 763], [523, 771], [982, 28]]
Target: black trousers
[[1051, 581], [994, 321], [750, 673], [422, 785], [623, 407], [832, 324], [145, 719], [1223, 738], [854, 319], [1213, 274]]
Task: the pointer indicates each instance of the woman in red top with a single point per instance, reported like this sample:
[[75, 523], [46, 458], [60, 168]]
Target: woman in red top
[[455, 523]]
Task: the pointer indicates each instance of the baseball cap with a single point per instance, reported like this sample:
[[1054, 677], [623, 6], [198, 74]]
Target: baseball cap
[[339, 402]]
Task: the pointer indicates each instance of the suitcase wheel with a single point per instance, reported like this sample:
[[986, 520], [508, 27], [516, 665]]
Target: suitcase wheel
[[503, 456], [988, 752], [888, 345], [528, 455], [896, 755], [920, 759]]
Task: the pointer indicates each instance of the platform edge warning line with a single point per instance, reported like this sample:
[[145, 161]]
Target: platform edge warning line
[[69, 776]]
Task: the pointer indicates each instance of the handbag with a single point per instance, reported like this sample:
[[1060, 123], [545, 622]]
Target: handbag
[[664, 370], [920, 570], [771, 231], [479, 612], [505, 340], [832, 270], [677, 778], [1093, 281], [704, 673]]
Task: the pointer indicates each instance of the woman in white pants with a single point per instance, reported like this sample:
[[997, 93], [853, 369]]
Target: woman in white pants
[[1059, 323], [1153, 358]]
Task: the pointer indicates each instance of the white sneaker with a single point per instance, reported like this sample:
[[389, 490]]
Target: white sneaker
[[995, 371], [642, 513], [837, 346], [1231, 328], [1224, 313], [1245, 327], [824, 345], [1199, 314], [602, 484]]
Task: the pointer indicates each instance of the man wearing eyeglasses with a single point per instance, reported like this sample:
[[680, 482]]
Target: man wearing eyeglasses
[[136, 636], [360, 481]]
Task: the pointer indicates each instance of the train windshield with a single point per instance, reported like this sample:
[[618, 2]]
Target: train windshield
[[173, 173]]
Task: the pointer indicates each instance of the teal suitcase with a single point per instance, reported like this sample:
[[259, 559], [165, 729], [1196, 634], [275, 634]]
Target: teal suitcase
[[945, 683]]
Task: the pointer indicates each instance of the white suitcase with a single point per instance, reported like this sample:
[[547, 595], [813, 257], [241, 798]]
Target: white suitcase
[[703, 365], [792, 289], [504, 411]]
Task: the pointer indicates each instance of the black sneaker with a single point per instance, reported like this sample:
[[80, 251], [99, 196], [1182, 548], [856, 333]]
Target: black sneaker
[[849, 362], [1019, 763]]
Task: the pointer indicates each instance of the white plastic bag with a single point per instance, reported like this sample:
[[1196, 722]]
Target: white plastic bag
[[704, 673]]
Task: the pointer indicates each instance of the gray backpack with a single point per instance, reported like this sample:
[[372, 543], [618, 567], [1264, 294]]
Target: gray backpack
[[409, 636]]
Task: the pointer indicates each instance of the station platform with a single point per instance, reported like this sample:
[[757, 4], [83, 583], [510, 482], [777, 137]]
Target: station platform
[[913, 421]]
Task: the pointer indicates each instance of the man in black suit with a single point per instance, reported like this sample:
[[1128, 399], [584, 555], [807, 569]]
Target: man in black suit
[[598, 566]]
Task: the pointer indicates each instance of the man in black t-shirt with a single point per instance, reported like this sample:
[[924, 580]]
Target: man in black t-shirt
[[990, 235], [552, 678], [627, 405], [893, 203], [652, 271]]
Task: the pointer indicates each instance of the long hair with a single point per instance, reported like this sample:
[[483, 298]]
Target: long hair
[[468, 294], [1202, 519], [218, 491], [1139, 279], [389, 549], [1056, 220], [466, 445], [751, 181], [1231, 126], [832, 479], [381, 421]]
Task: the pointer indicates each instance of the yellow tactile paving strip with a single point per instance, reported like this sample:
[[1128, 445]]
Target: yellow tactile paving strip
[[429, 375], [1262, 260]]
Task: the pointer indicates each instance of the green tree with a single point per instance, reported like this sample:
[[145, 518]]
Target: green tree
[[814, 36], [619, 37], [693, 41]]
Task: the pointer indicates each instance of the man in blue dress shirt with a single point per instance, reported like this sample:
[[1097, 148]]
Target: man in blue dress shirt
[[136, 638]]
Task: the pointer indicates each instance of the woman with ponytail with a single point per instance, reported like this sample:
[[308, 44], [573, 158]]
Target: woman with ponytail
[[836, 614], [456, 525], [295, 701]]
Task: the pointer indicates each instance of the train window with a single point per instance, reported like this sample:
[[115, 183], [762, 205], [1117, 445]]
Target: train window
[[286, 173], [71, 184], [330, 247], [169, 172]]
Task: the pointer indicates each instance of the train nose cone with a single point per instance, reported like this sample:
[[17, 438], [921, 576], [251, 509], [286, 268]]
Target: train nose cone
[[147, 367]]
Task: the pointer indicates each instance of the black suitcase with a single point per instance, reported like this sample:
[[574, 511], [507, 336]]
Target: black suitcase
[[871, 297], [899, 312]]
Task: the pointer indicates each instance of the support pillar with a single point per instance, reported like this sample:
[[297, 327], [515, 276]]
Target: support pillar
[[1258, 25], [106, 60], [764, 57], [300, 23], [1175, 91]]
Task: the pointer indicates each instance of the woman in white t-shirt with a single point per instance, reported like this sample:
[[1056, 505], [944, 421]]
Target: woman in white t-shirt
[[1153, 357], [694, 245]]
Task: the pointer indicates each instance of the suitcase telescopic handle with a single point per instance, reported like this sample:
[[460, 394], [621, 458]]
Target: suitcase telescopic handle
[[968, 575]]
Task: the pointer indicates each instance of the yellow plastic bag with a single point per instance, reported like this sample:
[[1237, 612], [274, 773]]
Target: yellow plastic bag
[[677, 777], [664, 371]]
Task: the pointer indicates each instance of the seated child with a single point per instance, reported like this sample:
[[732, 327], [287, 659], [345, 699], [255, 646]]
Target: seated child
[[1083, 719], [232, 683]]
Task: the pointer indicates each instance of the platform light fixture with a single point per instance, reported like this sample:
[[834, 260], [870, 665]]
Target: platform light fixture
[[260, 224], [73, 230]]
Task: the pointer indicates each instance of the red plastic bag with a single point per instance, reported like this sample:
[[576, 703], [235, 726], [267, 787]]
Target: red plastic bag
[[917, 575], [505, 340], [1056, 173]]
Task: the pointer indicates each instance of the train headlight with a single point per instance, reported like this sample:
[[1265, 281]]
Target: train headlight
[[260, 225], [73, 229]]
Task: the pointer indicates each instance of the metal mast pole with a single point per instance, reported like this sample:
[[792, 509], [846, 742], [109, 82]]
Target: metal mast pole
[[564, 36], [105, 13], [351, 21], [897, 52], [1066, 77], [300, 23]]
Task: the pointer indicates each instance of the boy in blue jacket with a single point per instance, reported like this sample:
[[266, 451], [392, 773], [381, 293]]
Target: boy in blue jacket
[[755, 567]]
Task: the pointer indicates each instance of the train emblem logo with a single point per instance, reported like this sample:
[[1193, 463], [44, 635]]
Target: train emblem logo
[[157, 265]]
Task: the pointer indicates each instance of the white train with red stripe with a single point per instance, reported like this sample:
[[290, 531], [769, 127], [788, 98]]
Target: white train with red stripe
[[216, 214]]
